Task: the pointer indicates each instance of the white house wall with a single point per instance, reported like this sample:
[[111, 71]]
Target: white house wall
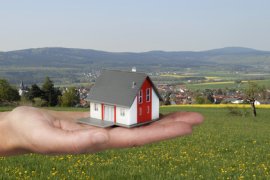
[[122, 119], [130, 114], [133, 112], [93, 113], [155, 105]]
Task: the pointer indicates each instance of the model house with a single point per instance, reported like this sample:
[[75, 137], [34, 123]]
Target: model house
[[123, 98]]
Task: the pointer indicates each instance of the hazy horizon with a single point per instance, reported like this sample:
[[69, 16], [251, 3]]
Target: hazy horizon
[[125, 26], [135, 51]]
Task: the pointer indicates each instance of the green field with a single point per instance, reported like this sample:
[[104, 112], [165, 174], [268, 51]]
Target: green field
[[226, 84], [214, 80], [224, 147]]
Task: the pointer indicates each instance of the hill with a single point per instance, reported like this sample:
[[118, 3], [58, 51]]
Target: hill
[[70, 57], [62, 62]]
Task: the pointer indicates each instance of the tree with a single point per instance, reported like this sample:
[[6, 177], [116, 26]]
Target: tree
[[210, 99], [238, 83], [34, 92], [70, 97], [50, 94], [167, 98], [199, 100], [252, 93], [7, 92], [219, 92], [208, 95]]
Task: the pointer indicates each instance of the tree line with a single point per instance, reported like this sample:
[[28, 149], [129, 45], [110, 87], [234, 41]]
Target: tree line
[[46, 95]]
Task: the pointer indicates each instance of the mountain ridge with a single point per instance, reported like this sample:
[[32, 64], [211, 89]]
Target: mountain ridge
[[215, 49], [86, 60], [59, 56]]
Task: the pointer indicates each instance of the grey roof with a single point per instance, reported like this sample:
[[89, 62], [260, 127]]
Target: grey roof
[[115, 87]]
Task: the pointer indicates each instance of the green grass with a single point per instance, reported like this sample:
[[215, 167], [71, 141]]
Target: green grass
[[223, 147]]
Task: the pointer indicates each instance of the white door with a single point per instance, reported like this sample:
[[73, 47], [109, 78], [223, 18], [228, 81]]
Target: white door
[[108, 113]]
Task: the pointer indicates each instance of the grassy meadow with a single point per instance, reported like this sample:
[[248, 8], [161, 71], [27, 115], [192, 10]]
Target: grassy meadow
[[223, 147]]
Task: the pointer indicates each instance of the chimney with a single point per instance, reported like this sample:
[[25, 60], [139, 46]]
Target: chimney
[[133, 69]]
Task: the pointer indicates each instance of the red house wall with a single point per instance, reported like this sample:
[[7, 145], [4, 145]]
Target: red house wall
[[144, 109]]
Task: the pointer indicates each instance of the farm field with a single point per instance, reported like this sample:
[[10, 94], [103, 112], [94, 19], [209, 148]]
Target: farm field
[[226, 84], [215, 80], [223, 147]]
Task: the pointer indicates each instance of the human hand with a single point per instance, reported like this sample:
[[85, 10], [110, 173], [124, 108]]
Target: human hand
[[28, 129]]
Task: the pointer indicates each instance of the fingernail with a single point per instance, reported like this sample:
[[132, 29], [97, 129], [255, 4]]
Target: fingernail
[[99, 138]]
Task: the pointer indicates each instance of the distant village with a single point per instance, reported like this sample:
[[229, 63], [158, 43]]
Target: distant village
[[172, 94]]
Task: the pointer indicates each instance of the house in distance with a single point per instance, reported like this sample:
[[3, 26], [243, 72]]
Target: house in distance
[[123, 98]]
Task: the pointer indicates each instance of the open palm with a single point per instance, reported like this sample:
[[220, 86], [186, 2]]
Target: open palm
[[53, 132]]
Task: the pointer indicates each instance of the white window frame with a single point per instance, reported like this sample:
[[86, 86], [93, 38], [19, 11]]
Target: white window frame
[[148, 99], [122, 112], [140, 97], [95, 107]]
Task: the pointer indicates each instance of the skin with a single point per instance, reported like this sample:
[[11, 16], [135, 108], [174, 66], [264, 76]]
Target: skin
[[32, 130]]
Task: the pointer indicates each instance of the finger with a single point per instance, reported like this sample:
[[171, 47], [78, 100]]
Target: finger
[[58, 141], [192, 118], [123, 137]]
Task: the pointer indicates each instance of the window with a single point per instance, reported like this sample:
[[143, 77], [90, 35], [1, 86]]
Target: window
[[147, 95], [140, 97], [96, 107], [122, 112]]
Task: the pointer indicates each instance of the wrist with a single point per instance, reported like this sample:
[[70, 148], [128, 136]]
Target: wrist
[[4, 147], [6, 141]]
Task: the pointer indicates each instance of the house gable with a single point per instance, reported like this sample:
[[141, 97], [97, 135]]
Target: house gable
[[144, 102]]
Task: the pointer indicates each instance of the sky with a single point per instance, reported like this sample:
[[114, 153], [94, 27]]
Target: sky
[[135, 25]]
